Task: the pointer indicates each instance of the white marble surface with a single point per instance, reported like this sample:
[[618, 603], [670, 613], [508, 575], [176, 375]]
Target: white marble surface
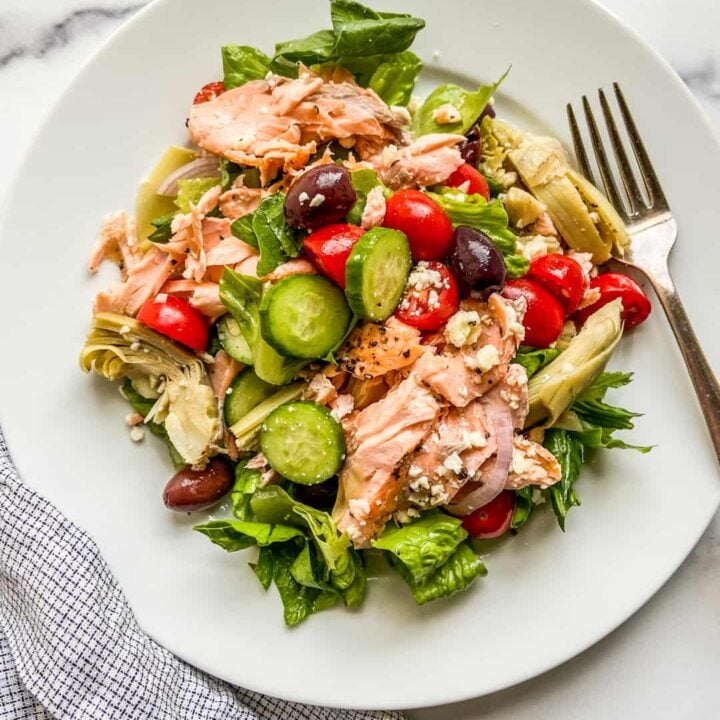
[[665, 661]]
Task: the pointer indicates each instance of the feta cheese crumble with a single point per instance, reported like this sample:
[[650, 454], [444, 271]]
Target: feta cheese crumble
[[446, 114], [486, 358], [463, 328]]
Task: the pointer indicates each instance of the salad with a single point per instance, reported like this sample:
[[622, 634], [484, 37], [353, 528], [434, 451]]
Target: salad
[[371, 329]]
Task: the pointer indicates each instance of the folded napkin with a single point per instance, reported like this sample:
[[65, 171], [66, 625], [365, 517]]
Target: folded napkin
[[70, 647]]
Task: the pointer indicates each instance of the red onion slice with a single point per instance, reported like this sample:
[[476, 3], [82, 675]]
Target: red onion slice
[[207, 166], [494, 473]]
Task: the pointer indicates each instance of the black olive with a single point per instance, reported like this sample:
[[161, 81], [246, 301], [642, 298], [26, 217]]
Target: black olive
[[320, 196], [321, 495], [476, 261]]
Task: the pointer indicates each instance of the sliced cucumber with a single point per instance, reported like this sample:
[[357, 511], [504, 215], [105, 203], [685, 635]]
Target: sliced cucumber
[[246, 392], [247, 429], [303, 442], [376, 273], [233, 341], [304, 316], [272, 367]]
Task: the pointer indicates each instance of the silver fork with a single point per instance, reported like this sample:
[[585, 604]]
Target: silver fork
[[653, 231]]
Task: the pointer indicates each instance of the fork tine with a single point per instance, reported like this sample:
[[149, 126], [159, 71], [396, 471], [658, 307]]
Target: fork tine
[[635, 198], [657, 197], [606, 175], [578, 145]]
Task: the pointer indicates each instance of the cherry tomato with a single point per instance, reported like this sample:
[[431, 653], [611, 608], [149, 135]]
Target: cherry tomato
[[428, 229], [544, 317], [493, 519], [209, 92], [431, 297], [329, 248], [636, 306], [562, 276], [476, 183], [177, 319]]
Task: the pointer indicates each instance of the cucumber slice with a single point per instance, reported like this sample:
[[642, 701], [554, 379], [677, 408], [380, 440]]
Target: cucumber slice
[[272, 367], [376, 273], [303, 442], [304, 316], [246, 392], [233, 341]]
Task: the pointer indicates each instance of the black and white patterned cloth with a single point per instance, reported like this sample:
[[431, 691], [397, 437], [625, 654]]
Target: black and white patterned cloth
[[70, 648]]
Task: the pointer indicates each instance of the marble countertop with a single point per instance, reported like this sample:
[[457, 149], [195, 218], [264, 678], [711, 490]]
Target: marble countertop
[[662, 663]]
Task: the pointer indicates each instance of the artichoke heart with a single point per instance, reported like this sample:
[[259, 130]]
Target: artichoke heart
[[118, 346], [581, 213], [555, 387]]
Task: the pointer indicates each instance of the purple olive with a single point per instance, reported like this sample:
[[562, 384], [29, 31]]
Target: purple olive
[[321, 495], [477, 263], [320, 196], [470, 151], [198, 489]]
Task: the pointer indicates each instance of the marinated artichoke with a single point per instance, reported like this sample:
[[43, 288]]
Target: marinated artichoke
[[118, 346], [555, 387]]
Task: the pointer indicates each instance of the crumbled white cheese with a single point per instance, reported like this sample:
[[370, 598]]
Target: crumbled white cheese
[[125, 329], [423, 277], [535, 246], [454, 463], [229, 391], [419, 484], [161, 298], [359, 507], [463, 328], [135, 345], [137, 434], [317, 201], [414, 471], [486, 358], [537, 497], [446, 114], [303, 197], [520, 464], [475, 439]]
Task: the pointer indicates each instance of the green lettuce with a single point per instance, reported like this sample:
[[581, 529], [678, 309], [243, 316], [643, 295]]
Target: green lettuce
[[190, 190], [234, 535], [363, 181], [535, 359], [242, 63], [524, 507], [246, 483], [469, 103], [394, 79], [425, 545], [242, 228], [456, 574], [162, 232], [570, 453]]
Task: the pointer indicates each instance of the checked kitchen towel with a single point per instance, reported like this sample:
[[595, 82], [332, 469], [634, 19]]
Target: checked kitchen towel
[[70, 648]]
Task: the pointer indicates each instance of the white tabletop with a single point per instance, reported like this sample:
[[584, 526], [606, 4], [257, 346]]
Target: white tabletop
[[662, 663]]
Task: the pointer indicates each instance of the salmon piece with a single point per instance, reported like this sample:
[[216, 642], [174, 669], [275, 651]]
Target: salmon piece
[[374, 212], [429, 160], [379, 437], [372, 350], [117, 241], [240, 200], [451, 455], [229, 251], [275, 124], [532, 464], [461, 374], [143, 281], [222, 373], [298, 266], [204, 296], [320, 390], [248, 266]]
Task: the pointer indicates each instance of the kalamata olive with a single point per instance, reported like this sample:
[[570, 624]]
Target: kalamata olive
[[198, 489], [477, 263], [321, 495], [320, 196], [488, 111], [470, 151]]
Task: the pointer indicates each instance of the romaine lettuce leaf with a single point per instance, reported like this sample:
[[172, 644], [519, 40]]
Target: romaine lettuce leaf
[[469, 103], [246, 483], [425, 545], [276, 240], [241, 294], [242, 63], [263, 567], [311, 50], [234, 535], [457, 573], [163, 230], [394, 79], [242, 228], [363, 181], [516, 265], [570, 453], [524, 507], [535, 359], [190, 190]]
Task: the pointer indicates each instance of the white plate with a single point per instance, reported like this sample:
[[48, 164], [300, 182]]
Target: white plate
[[548, 596]]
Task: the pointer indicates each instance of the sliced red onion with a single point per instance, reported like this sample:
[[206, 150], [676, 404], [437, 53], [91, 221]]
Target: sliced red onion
[[495, 475], [207, 166]]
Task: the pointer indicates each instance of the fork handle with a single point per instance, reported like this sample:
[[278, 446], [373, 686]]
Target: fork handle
[[703, 379]]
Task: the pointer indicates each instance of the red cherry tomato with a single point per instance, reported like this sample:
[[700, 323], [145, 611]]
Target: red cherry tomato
[[329, 248], [428, 229], [544, 317], [476, 183], [562, 276], [177, 319], [209, 92], [636, 306], [493, 519], [432, 300]]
